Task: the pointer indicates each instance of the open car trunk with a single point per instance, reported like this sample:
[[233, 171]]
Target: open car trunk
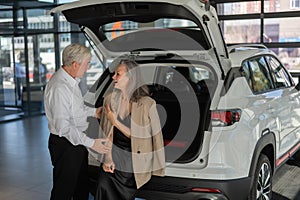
[[183, 106], [183, 93], [123, 27]]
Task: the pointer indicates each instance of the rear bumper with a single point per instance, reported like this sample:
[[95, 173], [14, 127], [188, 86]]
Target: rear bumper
[[171, 188], [174, 188], [186, 196]]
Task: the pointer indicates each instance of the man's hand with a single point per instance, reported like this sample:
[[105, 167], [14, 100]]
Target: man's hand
[[100, 146]]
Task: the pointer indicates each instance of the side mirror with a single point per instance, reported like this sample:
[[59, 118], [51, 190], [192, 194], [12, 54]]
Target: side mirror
[[298, 84]]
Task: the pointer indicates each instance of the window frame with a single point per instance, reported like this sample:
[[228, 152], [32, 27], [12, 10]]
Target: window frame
[[291, 82], [293, 4], [246, 63]]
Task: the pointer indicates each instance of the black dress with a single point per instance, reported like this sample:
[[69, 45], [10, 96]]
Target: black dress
[[119, 185]]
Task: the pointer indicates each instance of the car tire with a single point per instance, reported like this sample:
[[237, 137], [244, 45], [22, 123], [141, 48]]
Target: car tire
[[262, 183]]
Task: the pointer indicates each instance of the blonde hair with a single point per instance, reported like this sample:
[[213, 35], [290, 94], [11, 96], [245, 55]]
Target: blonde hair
[[75, 52], [137, 87]]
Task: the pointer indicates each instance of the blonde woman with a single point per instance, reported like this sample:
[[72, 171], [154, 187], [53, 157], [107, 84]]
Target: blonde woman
[[132, 124]]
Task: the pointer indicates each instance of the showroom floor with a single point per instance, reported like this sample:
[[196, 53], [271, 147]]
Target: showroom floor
[[26, 173], [25, 166]]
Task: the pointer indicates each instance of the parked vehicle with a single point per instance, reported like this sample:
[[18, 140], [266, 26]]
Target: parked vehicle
[[229, 120]]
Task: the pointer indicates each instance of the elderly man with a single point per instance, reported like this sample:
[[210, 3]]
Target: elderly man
[[67, 121]]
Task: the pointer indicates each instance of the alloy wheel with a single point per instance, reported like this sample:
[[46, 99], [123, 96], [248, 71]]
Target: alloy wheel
[[263, 189]]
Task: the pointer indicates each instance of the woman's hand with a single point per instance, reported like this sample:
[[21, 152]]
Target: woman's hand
[[108, 167], [98, 112], [111, 116]]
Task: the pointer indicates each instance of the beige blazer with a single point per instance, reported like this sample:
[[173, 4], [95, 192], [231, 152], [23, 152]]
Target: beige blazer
[[148, 156]]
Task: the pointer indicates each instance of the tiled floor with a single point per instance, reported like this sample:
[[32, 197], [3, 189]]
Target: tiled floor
[[26, 173]]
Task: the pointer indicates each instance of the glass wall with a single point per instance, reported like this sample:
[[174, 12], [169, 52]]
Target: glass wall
[[31, 44], [12, 76], [270, 22], [239, 8], [9, 93], [281, 5], [27, 59], [242, 31]]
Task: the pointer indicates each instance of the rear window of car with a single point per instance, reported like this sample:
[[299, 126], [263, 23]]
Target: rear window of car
[[161, 34], [133, 26], [119, 28]]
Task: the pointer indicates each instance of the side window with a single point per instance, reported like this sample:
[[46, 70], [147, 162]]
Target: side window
[[280, 76], [246, 73], [261, 79]]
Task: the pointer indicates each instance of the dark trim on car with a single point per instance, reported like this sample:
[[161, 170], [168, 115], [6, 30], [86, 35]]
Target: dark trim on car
[[266, 140], [280, 161], [233, 73], [172, 188]]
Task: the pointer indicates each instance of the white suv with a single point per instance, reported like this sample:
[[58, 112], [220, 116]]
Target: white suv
[[228, 119]]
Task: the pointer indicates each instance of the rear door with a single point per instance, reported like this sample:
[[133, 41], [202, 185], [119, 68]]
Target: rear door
[[265, 99], [288, 105]]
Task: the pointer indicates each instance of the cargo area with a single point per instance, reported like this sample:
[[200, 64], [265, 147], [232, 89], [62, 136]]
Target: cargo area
[[183, 100]]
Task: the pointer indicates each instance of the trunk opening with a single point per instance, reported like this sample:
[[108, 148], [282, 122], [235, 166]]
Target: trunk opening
[[183, 143]]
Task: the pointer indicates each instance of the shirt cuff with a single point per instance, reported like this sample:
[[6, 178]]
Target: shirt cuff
[[89, 142], [92, 112]]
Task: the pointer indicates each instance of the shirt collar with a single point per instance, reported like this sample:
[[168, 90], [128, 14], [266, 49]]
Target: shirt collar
[[72, 81]]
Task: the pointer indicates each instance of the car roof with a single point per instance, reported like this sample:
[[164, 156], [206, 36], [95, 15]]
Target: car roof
[[239, 53]]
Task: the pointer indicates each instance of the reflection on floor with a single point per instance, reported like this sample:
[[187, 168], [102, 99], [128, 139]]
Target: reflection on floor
[[8, 114], [26, 173], [286, 183]]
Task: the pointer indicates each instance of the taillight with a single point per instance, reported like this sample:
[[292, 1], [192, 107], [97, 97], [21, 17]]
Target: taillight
[[225, 117], [206, 190], [204, 1], [173, 143]]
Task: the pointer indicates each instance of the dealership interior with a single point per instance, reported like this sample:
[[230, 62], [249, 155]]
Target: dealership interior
[[32, 39]]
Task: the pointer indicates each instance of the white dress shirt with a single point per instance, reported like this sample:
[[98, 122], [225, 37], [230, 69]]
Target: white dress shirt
[[65, 109]]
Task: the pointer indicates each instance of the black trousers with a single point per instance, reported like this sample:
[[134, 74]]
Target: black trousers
[[70, 169]]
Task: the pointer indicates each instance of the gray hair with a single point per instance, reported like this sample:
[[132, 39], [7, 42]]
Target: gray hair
[[75, 52]]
